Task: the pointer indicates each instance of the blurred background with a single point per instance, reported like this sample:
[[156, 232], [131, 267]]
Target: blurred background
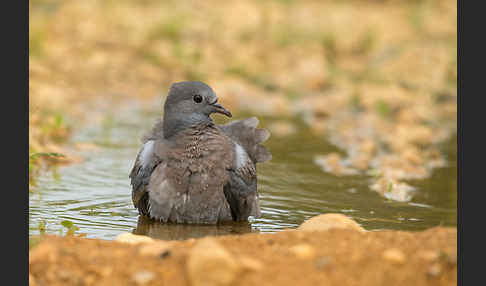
[[352, 90]]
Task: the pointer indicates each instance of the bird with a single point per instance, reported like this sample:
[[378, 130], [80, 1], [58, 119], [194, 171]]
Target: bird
[[190, 170]]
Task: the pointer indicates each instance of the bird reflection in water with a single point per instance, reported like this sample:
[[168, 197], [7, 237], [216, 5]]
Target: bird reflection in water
[[172, 231]]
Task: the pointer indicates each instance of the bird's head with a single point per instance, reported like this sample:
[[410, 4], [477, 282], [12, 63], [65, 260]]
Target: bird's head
[[190, 103]]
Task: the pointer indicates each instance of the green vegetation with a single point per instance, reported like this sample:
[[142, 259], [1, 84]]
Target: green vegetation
[[69, 226], [383, 108]]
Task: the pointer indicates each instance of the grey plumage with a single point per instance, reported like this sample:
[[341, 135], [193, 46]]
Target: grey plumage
[[190, 170]]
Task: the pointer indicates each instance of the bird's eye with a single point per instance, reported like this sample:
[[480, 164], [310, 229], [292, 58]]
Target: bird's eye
[[198, 98]]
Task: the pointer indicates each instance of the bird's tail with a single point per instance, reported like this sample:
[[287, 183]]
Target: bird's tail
[[249, 137]]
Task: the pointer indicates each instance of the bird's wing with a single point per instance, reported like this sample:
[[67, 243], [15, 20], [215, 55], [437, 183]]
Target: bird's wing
[[145, 163], [245, 133], [241, 189]]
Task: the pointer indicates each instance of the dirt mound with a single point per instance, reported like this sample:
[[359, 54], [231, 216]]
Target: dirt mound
[[333, 257]]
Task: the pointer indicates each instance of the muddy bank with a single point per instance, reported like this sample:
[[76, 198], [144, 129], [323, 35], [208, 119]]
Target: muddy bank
[[333, 257]]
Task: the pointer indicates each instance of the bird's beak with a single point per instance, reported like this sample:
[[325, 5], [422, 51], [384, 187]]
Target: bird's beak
[[218, 108]]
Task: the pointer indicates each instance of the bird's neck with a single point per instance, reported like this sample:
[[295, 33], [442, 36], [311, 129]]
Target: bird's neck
[[173, 126]]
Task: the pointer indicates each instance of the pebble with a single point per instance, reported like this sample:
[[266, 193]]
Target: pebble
[[133, 238], [303, 251], [250, 263], [429, 255], [394, 255], [210, 264], [434, 270], [332, 163], [156, 249], [330, 221], [452, 259], [393, 189], [143, 277], [361, 161]]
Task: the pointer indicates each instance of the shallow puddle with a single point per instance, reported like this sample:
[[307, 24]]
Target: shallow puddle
[[95, 195]]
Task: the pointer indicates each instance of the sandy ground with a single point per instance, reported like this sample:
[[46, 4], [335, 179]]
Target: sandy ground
[[333, 257]]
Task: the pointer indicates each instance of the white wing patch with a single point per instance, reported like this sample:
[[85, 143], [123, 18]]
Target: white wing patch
[[241, 156], [146, 154]]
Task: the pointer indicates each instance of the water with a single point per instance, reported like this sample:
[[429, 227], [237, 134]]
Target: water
[[96, 194]]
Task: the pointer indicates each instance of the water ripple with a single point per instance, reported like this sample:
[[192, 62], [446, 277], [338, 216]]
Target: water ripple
[[96, 195]]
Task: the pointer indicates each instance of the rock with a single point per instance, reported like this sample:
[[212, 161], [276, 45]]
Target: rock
[[143, 277], [329, 221], [157, 248], [250, 263], [394, 255], [361, 161], [451, 259], [434, 270], [413, 156], [65, 274], [332, 163], [133, 238], [393, 189], [428, 255], [210, 264], [303, 251]]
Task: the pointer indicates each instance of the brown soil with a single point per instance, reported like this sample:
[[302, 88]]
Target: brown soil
[[334, 257]]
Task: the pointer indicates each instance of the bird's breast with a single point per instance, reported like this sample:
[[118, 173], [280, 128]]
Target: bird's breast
[[201, 163]]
